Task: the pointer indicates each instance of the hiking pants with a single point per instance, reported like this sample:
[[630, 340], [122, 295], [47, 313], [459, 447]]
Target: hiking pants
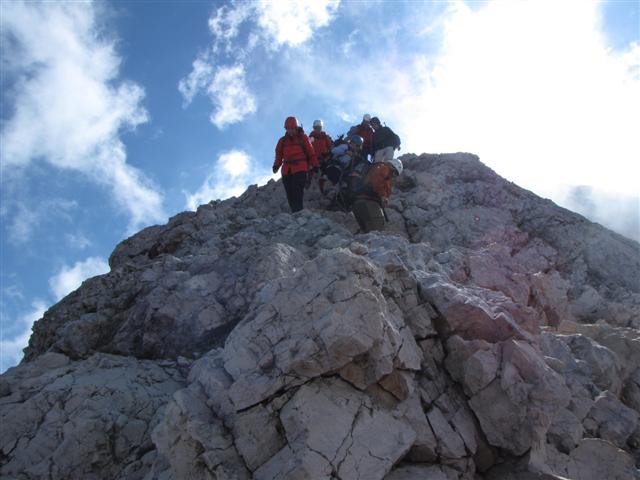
[[383, 155], [294, 186], [368, 214]]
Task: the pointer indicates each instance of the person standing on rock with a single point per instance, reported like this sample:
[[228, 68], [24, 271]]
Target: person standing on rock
[[320, 140], [297, 157], [366, 132], [372, 195], [322, 145], [385, 141]]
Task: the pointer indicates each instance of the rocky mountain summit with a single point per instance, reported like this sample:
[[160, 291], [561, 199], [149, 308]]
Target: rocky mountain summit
[[487, 334]]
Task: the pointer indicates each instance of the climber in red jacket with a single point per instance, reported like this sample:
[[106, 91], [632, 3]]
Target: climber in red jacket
[[322, 145], [366, 132], [297, 157], [320, 140]]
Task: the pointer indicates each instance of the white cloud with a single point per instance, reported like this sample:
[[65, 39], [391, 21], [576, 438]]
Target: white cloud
[[70, 278], [225, 22], [11, 349], [231, 96], [272, 25], [78, 240], [230, 176], [200, 76], [67, 107], [347, 117], [26, 218], [540, 97], [294, 22], [537, 94], [617, 211]]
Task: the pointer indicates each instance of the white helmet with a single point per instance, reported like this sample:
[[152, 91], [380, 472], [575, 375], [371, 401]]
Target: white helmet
[[366, 117], [317, 123], [396, 164]]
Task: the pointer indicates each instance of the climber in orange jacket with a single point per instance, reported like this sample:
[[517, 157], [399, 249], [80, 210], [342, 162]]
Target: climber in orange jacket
[[297, 157], [374, 194]]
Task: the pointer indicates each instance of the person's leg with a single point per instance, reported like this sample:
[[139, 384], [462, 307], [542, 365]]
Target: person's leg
[[360, 211], [287, 183], [297, 191], [375, 217]]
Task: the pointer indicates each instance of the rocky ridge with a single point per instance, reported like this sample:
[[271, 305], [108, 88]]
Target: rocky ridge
[[487, 334]]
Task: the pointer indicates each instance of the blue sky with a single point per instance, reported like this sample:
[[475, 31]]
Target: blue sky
[[116, 115]]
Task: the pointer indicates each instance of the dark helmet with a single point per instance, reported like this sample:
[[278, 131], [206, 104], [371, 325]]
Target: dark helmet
[[291, 122], [356, 140], [376, 120]]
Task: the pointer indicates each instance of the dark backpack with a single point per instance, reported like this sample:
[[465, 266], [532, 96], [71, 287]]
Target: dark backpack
[[354, 183]]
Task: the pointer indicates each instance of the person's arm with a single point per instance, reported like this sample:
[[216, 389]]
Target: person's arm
[[310, 152], [329, 142], [279, 153]]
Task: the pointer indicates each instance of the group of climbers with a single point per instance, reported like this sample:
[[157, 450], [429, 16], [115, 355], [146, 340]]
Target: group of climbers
[[360, 164]]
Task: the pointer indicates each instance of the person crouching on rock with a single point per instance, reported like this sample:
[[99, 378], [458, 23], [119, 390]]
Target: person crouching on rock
[[373, 196], [295, 154], [384, 142]]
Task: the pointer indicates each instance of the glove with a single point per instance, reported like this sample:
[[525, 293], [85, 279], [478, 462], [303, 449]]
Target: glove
[[315, 170], [275, 169]]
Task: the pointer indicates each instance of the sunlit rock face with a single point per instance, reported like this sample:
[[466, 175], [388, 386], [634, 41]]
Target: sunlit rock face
[[485, 334]]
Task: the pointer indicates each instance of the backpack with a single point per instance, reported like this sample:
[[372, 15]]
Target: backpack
[[303, 146], [354, 183]]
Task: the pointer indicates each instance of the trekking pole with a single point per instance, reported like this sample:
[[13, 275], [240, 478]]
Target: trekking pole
[[384, 212]]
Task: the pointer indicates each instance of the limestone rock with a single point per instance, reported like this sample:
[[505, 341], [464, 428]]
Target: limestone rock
[[565, 431], [515, 409], [595, 459], [484, 334], [83, 420], [611, 420]]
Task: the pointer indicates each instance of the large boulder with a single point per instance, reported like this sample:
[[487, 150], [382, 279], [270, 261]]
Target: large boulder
[[83, 420]]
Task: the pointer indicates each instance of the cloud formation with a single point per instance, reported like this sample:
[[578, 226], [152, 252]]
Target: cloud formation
[[67, 104], [70, 278], [540, 97], [11, 350], [24, 219], [271, 26], [231, 96], [540, 104], [230, 176]]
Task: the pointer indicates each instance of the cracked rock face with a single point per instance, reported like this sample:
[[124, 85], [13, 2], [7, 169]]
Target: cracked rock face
[[486, 334]]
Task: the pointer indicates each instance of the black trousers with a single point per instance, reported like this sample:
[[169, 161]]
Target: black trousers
[[294, 186], [368, 214]]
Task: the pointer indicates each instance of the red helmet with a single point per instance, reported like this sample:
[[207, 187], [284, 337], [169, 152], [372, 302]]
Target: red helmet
[[291, 122]]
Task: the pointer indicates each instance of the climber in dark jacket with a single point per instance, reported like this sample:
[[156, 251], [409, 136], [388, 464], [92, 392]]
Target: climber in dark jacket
[[297, 157], [385, 141]]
